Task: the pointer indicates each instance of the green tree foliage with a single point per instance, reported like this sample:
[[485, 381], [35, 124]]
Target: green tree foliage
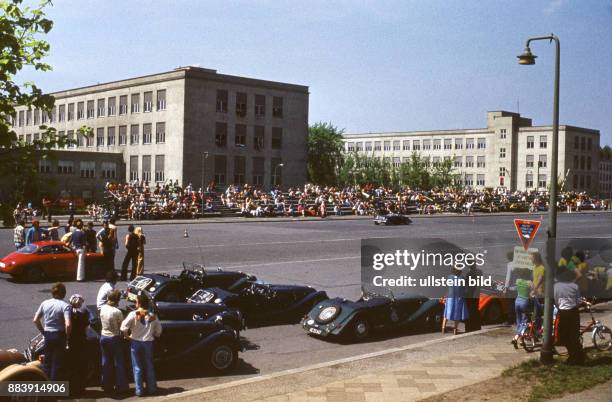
[[605, 153], [325, 153]]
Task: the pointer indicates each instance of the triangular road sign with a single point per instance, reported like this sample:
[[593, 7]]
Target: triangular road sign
[[526, 230]]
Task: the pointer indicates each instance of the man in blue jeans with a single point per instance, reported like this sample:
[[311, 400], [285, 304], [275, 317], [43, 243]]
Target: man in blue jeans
[[142, 327], [114, 374], [53, 320]]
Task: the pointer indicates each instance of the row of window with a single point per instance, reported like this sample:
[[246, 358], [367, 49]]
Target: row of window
[[582, 181], [240, 136], [529, 180], [582, 162], [87, 169], [396, 145], [241, 104], [436, 160], [531, 142], [105, 107], [144, 173], [530, 161], [111, 136], [583, 143]]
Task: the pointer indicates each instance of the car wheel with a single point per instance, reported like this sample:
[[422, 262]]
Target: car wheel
[[361, 329], [34, 274], [493, 313], [222, 357]]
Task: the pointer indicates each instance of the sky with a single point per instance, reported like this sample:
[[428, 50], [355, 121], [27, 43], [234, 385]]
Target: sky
[[371, 66]]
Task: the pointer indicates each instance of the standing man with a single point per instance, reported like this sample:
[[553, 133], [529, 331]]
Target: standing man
[[108, 286], [107, 245], [35, 233], [19, 235], [114, 375], [46, 208], [567, 300], [79, 242], [90, 238], [112, 236], [472, 298], [131, 245], [53, 320]]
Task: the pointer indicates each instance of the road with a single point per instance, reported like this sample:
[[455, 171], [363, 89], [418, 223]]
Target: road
[[323, 254]]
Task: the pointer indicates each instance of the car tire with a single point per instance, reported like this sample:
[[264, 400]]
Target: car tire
[[33, 275], [222, 357], [360, 329], [493, 313]]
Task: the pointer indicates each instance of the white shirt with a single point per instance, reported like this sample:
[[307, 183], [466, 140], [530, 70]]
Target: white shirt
[[141, 330], [111, 318], [103, 294]]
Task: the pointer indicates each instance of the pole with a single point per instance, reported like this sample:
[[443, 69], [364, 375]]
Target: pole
[[204, 156]]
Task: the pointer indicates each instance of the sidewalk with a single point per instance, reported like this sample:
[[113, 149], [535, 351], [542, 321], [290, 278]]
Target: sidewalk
[[410, 373]]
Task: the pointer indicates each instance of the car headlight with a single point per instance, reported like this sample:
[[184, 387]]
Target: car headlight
[[217, 301], [2, 265], [310, 322], [327, 313]]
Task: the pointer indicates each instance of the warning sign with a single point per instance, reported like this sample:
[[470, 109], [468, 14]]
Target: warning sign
[[526, 230]]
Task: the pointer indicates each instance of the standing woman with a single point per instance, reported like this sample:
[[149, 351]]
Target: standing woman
[[77, 356], [141, 246], [455, 308], [522, 303]]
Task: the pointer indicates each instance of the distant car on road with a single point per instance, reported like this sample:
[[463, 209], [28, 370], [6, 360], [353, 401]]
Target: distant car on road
[[392, 219], [49, 259]]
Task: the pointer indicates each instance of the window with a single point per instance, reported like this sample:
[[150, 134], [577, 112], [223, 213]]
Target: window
[[134, 134], [416, 145], [147, 133], [368, 146], [588, 181], [448, 143], [160, 169], [542, 161], [502, 153], [387, 145], [277, 106], [37, 117], [133, 167], [240, 135], [60, 117], [36, 137], [502, 134], [437, 144], [110, 132], [482, 143], [88, 169], [89, 139], [502, 181], [220, 169], [529, 161], [276, 177], [111, 106], [160, 133], [260, 106], [136, 103], [62, 135], [44, 115], [480, 180], [146, 168], [70, 111], [109, 170], [100, 137], [21, 116], [241, 104], [575, 183], [28, 138], [502, 171], [405, 145], [70, 136], [90, 109], [80, 111], [161, 99], [469, 180], [52, 115], [148, 102], [277, 137], [44, 166], [543, 141], [258, 139], [80, 139], [221, 101], [122, 135], [28, 117], [101, 107], [457, 162], [377, 145], [589, 143], [588, 164], [581, 181], [258, 171], [426, 145], [469, 161], [469, 143], [576, 162], [397, 161], [458, 143], [582, 162], [65, 167], [239, 169], [123, 107], [221, 134], [480, 162], [542, 181], [396, 145], [350, 147], [582, 143], [435, 161], [359, 146]]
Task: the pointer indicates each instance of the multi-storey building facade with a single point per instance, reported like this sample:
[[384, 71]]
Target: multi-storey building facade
[[509, 153], [605, 178], [190, 124]]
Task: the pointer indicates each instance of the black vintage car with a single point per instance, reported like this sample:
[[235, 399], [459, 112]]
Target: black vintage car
[[357, 320], [260, 303], [392, 219], [177, 288]]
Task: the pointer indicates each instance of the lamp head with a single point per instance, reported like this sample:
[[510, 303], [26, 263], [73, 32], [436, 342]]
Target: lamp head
[[527, 58], [281, 164]]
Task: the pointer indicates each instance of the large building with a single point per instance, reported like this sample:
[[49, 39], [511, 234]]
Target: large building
[[190, 124], [509, 153]]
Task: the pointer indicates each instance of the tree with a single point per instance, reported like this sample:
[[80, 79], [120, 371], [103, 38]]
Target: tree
[[325, 153], [20, 47], [605, 153]]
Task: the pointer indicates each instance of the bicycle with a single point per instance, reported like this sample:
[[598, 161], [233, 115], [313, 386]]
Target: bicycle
[[532, 334], [601, 335]]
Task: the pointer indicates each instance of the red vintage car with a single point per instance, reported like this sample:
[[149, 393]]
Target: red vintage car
[[47, 259]]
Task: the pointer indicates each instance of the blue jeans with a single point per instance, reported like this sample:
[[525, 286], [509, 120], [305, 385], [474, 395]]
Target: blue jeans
[[114, 374], [142, 363], [55, 353], [521, 308]]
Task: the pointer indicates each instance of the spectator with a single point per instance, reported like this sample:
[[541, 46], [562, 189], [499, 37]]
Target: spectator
[[142, 327], [141, 248], [472, 299], [567, 300], [114, 373], [77, 351], [131, 245], [455, 308], [90, 238], [522, 303], [112, 240], [107, 246], [46, 208], [53, 231], [19, 235], [35, 233], [53, 320], [109, 285], [79, 242]]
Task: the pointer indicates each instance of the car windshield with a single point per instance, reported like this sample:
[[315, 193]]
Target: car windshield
[[29, 249]]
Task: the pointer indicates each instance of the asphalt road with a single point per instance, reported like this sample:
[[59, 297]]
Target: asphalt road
[[324, 254]]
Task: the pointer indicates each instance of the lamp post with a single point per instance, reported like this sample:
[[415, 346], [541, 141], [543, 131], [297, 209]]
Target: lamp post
[[204, 157], [275, 168], [527, 58]]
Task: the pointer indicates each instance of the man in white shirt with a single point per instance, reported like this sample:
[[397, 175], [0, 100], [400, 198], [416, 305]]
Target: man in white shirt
[[107, 286], [114, 373], [567, 300]]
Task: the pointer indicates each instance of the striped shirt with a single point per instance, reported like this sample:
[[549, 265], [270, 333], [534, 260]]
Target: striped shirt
[[19, 235]]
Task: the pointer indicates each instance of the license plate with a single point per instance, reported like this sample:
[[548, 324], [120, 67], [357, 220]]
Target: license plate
[[131, 297], [315, 331]]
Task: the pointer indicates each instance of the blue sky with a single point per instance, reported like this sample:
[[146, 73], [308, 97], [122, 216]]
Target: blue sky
[[370, 65]]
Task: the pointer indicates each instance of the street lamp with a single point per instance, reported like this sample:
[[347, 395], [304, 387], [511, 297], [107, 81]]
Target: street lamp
[[275, 168], [527, 58], [204, 157]]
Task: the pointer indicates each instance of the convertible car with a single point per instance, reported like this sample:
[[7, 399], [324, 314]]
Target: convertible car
[[259, 303], [177, 288], [392, 219], [357, 320], [46, 259]]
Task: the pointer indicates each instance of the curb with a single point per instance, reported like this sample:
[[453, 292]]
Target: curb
[[265, 377]]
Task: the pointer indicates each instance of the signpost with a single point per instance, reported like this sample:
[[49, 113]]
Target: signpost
[[526, 230]]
